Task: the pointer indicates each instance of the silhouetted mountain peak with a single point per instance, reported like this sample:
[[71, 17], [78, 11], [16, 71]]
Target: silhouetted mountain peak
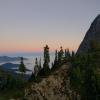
[[92, 34]]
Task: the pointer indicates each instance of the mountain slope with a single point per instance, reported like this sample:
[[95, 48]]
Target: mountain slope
[[54, 87], [92, 34]]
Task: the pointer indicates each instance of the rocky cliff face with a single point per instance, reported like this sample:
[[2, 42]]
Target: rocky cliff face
[[92, 34], [54, 87]]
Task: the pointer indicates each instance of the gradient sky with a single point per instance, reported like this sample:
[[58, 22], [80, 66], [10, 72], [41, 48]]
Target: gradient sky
[[27, 25]]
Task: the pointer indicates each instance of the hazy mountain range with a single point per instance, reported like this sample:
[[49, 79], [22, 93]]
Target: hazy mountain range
[[7, 59]]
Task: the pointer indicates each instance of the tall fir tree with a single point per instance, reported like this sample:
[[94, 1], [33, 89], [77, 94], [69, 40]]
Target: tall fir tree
[[60, 55], [67, 55], [56, 57], [22, 67], [46, 54], [40, 64], [36, 67], [46, 60], [35, 76], [55, 64], [73, 54]]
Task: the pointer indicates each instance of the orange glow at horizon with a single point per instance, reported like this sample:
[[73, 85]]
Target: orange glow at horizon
[[36, 45], [34, 48]]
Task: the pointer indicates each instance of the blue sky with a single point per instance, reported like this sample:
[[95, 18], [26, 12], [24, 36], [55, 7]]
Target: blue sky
[[27, 25]]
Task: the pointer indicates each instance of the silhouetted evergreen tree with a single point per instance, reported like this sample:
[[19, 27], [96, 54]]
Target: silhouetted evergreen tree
[[60, 55], [56, 57], [67, 54], [40, 64], [32, 77], [36, 67], [35, 76], [72, 57], [73, 54], [55, 64], [22, 67], [46, 54], [45, 70], [52, 65]]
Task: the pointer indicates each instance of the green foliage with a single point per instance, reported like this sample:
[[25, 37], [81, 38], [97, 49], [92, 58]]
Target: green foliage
[[76, 78], [46, 54], [60, 55], [67, 54], [85, 74], [22, 66], [94, 46], [73, 54], [56, 56], [36, 67], [55, 64], [40, 67], [46, 70], [34, 78], [11, 86]]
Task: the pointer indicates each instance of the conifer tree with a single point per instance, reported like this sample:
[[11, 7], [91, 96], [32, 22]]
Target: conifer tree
[[46, 60], [67, 55], [22, 66], [73, 53], [40, 64], [55, 64], [35, 76], [32, 77], [56, 57], [52, 64], [46, 54], [60, 55], [36, 67]]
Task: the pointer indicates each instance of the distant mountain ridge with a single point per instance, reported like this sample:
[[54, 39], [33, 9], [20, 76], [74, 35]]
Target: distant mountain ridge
[[92, 34], [14, 69], [7, 59], [11, 67]]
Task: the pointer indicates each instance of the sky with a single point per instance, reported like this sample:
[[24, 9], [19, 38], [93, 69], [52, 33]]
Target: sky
[[28, 25]]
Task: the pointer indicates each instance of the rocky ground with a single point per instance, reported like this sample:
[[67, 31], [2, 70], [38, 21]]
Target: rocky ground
[[54, 87]]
